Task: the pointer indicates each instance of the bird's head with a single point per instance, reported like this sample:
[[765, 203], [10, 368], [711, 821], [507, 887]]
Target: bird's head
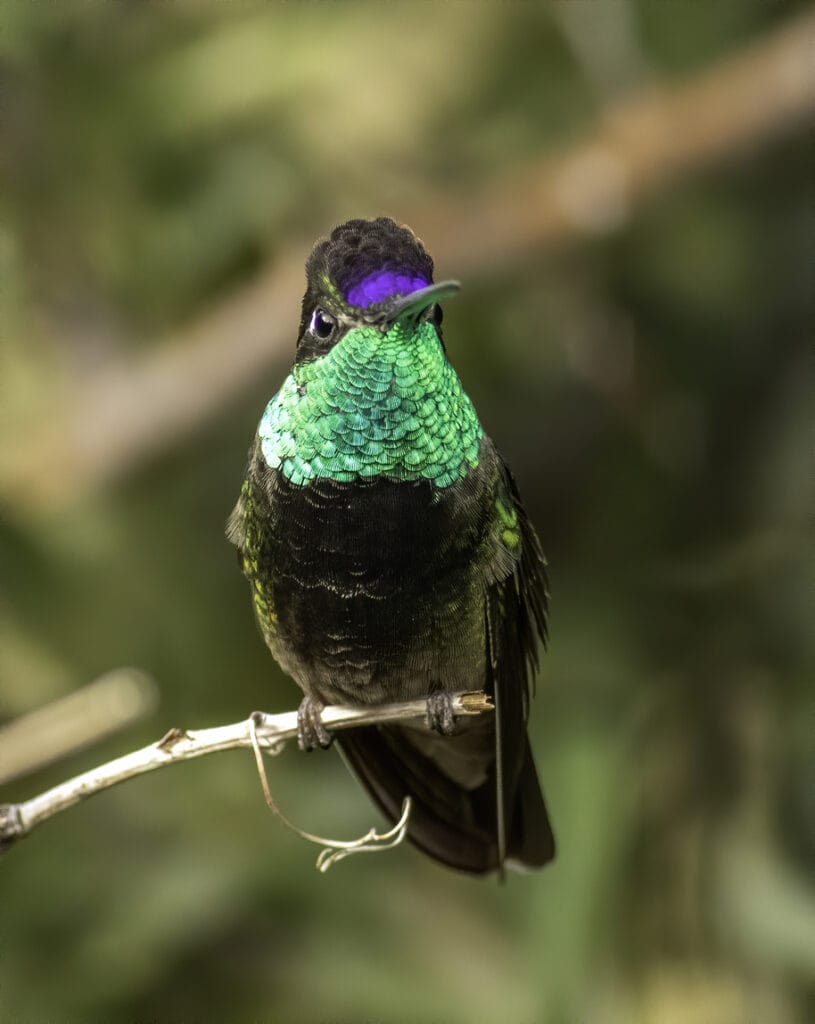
[[371, 393], [369, 275]]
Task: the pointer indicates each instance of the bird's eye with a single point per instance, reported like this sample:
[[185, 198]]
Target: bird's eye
[[321, 324]]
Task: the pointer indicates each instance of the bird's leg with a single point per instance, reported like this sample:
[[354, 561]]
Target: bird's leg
[[311, 733], [439, 715]]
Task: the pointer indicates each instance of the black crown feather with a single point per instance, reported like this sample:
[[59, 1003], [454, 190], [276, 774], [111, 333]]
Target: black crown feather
[[358, 249]]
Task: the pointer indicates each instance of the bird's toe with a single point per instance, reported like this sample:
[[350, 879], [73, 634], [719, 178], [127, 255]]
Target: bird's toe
[[439, 713], [311, 733]]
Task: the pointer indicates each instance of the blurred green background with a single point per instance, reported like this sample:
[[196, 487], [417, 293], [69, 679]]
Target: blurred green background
[[644, 367]]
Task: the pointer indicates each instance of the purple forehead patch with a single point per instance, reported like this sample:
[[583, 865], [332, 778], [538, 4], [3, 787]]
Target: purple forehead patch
[[381, 285]]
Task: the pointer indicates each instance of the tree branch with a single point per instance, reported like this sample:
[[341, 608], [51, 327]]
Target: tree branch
[[131, 410], [67, 725], [271, 732]]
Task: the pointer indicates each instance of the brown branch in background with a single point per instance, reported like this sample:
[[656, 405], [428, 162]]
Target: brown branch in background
[[269, 732], [87, 715], [641, 144], [131, 412]]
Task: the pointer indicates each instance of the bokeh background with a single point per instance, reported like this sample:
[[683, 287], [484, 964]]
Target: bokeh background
[[626, 190]]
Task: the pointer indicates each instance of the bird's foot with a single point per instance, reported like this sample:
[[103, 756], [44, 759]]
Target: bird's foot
[[439, 715], [311, 733]]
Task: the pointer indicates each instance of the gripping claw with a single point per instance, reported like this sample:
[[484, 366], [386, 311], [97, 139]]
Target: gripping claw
[[311, 733], [439, 713]]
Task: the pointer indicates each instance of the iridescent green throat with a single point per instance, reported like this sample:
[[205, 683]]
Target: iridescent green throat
[[377, 404]]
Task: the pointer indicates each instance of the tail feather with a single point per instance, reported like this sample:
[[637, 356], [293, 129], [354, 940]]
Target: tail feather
[[450, 823], [531, 840]]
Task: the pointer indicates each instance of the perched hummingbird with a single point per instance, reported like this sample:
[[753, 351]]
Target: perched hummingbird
[[390, 557]]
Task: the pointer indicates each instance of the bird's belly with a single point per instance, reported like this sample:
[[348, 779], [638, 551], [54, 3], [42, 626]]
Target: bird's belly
[[376, 590]]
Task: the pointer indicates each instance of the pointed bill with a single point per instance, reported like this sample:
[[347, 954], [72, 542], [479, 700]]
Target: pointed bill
[[409, 307]]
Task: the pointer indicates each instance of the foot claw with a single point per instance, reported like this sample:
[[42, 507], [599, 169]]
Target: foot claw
[[439, 713], [311, 733]]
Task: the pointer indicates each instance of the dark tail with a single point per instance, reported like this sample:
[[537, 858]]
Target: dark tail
[[450, 822]]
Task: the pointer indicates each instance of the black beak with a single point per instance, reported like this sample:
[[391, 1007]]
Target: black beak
[[408, 308]]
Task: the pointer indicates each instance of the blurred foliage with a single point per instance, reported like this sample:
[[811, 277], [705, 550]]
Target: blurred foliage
[[650, 391]]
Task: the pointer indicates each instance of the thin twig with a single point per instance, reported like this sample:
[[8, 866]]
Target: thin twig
[[270, 731]]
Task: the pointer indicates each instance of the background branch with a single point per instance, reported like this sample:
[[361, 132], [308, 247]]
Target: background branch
[[84, 716], [135, 408], [271, 731]]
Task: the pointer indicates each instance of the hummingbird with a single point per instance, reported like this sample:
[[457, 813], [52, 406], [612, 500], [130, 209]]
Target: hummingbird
[[390, 558]]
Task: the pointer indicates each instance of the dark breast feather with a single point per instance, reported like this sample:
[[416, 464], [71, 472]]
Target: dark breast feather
[[368, 573]]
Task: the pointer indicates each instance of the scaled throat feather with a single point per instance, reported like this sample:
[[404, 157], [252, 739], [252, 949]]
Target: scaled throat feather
[[375, 405]]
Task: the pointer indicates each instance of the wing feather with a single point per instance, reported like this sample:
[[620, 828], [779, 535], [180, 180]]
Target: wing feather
[[516, 606]]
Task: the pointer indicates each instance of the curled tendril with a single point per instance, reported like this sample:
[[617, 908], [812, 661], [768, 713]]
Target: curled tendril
[[333, 850]]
